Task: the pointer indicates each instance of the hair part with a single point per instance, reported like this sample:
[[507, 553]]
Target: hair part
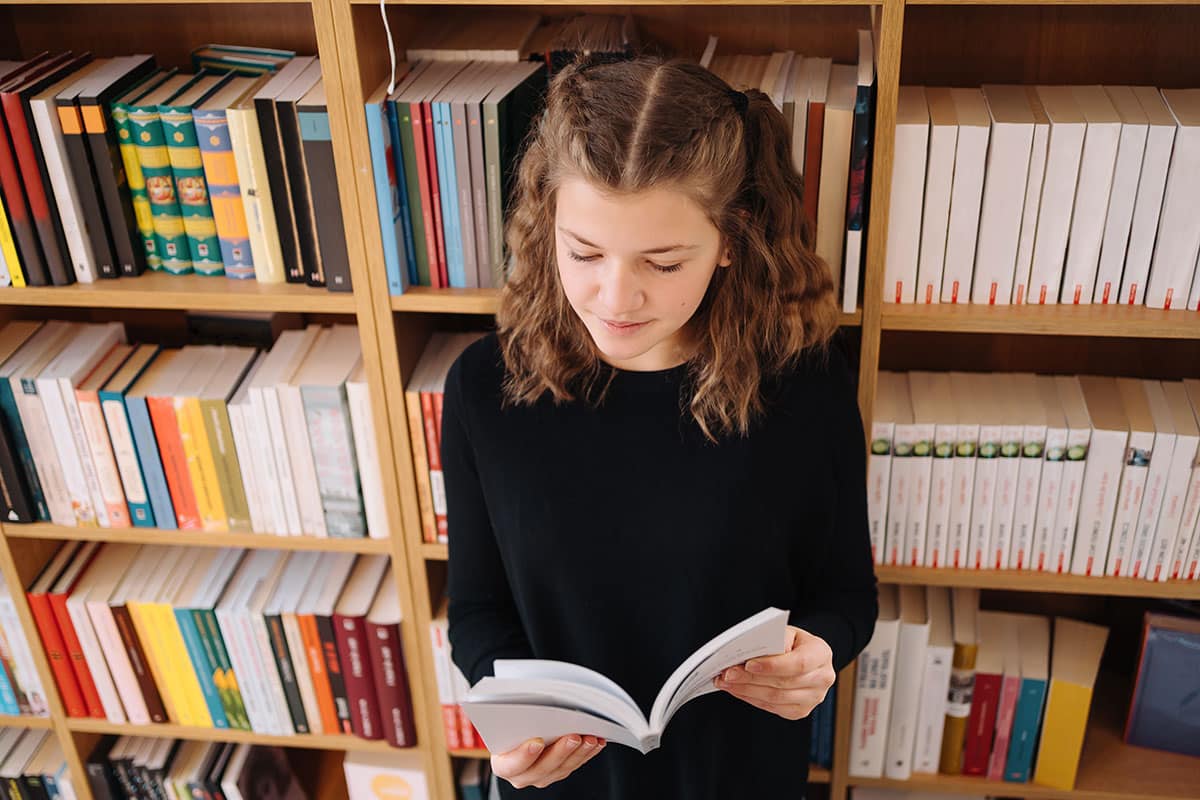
[[774, 303]]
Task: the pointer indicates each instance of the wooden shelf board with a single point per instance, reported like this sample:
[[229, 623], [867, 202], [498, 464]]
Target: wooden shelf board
[[159, 290], [254, 541], [309, 741], [435, 552], [1062, 320], [485, 301], [474, 752], [436, 3], [25, 721], [1021, 581]]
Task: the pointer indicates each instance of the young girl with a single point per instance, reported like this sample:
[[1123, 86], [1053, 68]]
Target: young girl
[[658, 442]]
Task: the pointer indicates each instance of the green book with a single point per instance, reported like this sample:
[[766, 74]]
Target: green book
[[133, 170], [179, 132], [401, 118], [170, 240]]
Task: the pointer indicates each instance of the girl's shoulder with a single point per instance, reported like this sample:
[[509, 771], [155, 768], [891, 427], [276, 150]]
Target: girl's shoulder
[[477, 374]]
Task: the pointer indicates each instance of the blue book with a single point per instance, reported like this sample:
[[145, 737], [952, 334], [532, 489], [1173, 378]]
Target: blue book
[[387, 194], [1033, 637], [203, 667], [8, 698], [1164, 713], [410, 245], [448, 185], [112, 402], [146, 447]]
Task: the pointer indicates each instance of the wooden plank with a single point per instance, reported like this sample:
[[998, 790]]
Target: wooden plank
[[1021, 581], [309, 741], [254, 541], [25, 721], [1062, 320]]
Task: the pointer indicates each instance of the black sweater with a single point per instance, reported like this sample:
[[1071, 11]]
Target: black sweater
[[619, 538]]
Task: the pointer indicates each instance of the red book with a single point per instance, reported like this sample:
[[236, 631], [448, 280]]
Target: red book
[[174, 460], [43, 616], [387, 665], [350, 630], [418, 123], [58, 604], [433, 454], [435, 198], [989, 675]]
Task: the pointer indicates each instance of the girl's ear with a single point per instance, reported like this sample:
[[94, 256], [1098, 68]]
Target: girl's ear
[[726, 259]]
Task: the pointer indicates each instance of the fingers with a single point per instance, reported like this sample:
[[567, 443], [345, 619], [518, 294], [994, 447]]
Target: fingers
[[519, 759], [553, 764], [588, 748], [820, 678], [792, 711]]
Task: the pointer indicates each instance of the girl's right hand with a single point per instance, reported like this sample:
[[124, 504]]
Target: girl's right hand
[[534, 764]]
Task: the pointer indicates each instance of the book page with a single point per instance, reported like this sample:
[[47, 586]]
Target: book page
[[560, 694], [562, 671], [505, 726]]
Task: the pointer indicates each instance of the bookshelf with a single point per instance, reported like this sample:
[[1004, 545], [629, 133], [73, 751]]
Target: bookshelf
[[920, 41]]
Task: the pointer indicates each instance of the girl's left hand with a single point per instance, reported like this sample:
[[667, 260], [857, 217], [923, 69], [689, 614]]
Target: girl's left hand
[[790, 684]]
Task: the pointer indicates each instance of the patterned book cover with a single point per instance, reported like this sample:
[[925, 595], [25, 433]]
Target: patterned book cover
[[220, 171], [175, 255], [133, 171], [328, 417]]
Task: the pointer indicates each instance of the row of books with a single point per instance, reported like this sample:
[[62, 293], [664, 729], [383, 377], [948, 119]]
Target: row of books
[[21, 691], [262, 641], [98, 432], [33, 766], [1073, 474], [145, 768], [829, 109], [944, 687], [110, 166], [1044, 195]]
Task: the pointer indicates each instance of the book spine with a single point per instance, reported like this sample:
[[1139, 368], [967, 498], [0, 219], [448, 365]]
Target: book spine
[[255, 189], [32, 265], [416, 434], [16, 430], [1107, 456], [391, 685], [858, 192], [179, 662], [80, 162], [1071, 491], [24, 669], [328, 418], [200, 464], [229, 474], [387, 198], [140, 198], [326, 202], [236, 638], [408, 190], [166, 217], [45, 456], [146, 446], [124, 452], [1007, 477], [366, 449], [114, 189], [981, 724], [12, 670], [1152, 504], [301, 460], [74, 653], [203, 668], [941, 483], [322, 689], [931, 721], [141, 667], [445, 683], [872, 702], [10, 262], [100, 446], [327, 630], [360, 683], [221, 175], [436, 179], [8, 696], [1129, 503], [958, 708], [900, 494], [487, 269], [117, 657], [298, 183], [456, 143], [304, 680], [280, 195], [58, 417], [451, 231], [261, 642], [150, 636], [920, 467], [984, 494], [270, 482], [1167, 532], [248, 467], [1188, 525], [45, 225], [1010, 689], [60, 666], [224, 677], [420, 196], [18, 505], [1026, 720], [1037, 555], [183, 151], [70, 212], [174, 460], [287, 675]]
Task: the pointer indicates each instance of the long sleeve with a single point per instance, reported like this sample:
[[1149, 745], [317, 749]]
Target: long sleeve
[[484, 623], [840, 599]]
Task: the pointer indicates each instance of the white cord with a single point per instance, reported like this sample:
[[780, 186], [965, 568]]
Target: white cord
[[391, 45]]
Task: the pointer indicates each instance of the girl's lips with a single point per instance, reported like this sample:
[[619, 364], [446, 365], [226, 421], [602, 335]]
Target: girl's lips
[[623, 327]]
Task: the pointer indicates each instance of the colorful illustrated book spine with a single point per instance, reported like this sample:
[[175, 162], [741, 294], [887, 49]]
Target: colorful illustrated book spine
[[221, 174], [137, 185], [171, 240]]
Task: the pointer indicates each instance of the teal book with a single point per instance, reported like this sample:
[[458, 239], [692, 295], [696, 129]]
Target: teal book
[[12, 419], [183, 151], [231, 694], [142, 211], [200, 663], [150, 147], [120, 431]]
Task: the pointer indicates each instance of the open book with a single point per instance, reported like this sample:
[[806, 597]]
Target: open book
[[530, 698]]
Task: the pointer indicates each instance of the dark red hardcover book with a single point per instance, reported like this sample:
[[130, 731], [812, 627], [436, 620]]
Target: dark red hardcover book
[[981, 724], [353, 653], [391, 684]]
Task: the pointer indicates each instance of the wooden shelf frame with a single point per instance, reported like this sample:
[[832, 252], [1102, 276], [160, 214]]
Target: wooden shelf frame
[[343, 742], [251, 541]]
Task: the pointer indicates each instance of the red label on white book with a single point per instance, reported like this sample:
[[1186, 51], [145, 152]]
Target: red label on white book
[[1167, 302], [1078, 291], [1020, 293], [928, 293], [1132, 293], [992, 295], [899, 290], [954, 293], [1042, 296], [1107, 289]]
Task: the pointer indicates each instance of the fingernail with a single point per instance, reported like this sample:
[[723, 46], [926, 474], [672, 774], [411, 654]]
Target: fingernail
[[732, 674], [589, 743], [573, 741], [753, 666], [535, 748]]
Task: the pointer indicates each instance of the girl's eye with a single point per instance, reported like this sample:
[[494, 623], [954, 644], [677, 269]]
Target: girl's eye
[[668, 267], [578, 257]]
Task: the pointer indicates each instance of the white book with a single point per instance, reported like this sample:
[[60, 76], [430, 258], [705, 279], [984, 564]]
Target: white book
[[1008, 471], [109, 570], [1037, 555], [1092, 194], [939, 183], [299, 448], [965, 457], [1033, 195], [1009, 148], [1161, 461], [56, 385], [907, 195], [990, 414], [296, 579], [1106, 460], [1182, 564], [874, 682], [246, 141], [1179, 477], [248, 456], [260, 644], [1075, 466], [447, 696], [530, 698], [879, 469], [1178, 240], [911, 649], [25, 671], [1134, 474], [366, 771], [932, 403], [900, 491], [1067, 129], [1131, 151], [1190, 569], [1160, 141], [89, 642], [935, 683], [970, 161], [229, 611], [802, 76], [920, 473], [830, 240], [1029, 472], [366, 449]]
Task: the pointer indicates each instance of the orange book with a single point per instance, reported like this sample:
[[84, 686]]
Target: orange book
[[416, 433], [52, 640], [57, 596], [316, 668], [433, 451]]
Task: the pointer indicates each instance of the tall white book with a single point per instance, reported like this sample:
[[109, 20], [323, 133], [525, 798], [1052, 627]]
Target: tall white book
[[874, 682], [1067, 129], [1191, 506], [1131, 151], [1004, 187], [932, 401], [988, 410], [1178, 240], [835, 168], [907, 196], [1029, 472], [920, 468], [1134, 473], [1092, 194], [879, 468], [1105, 462], [965, 456], [1161, 462], [939, 182], [1179, 479], [1160, 140], [900, 492], [1008, 471], [1037, 556], [911, 648], [1075, 465], [935, 684], [970, 161], [1033, 195]]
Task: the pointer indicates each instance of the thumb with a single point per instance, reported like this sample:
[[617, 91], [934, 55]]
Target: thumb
[[519, 759]]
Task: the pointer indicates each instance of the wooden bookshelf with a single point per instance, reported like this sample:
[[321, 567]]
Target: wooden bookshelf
[[25, 721], [434, 551], [1020, 581], [1065, 320], [252, 541], [308, 741]]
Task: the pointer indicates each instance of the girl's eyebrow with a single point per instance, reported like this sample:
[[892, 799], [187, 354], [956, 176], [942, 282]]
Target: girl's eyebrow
[[665, 249]]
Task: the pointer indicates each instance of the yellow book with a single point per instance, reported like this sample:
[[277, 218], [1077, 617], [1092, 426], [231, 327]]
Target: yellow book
[[183, 671], [152, 643], [255, 188], [8, 249], [962, 680], [1073, 667], [202, 466]]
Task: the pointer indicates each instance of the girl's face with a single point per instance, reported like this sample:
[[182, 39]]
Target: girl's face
[[635, 268]]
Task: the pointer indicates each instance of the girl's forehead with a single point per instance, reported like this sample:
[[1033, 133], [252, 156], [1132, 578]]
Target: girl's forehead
[[587, 212]]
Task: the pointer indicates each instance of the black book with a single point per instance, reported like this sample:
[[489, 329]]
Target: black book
[[333, 668], [212, 779], [101, 779], [288, 119], [287, 674], [14, 492], [277, 174], [99, 90], [321, 184]]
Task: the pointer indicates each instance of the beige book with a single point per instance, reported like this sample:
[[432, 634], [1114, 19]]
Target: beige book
[[835, 169]]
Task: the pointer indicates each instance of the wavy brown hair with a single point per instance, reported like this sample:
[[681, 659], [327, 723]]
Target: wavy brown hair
[[629, 126]]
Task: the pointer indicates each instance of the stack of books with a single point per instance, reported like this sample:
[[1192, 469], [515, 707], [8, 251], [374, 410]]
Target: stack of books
[[132, 767], [452, 685], [1066, 474], [944, 687], [100, 433], [32, 764], [110, 166], [21, 689], [261, 641], [1044, 195]]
